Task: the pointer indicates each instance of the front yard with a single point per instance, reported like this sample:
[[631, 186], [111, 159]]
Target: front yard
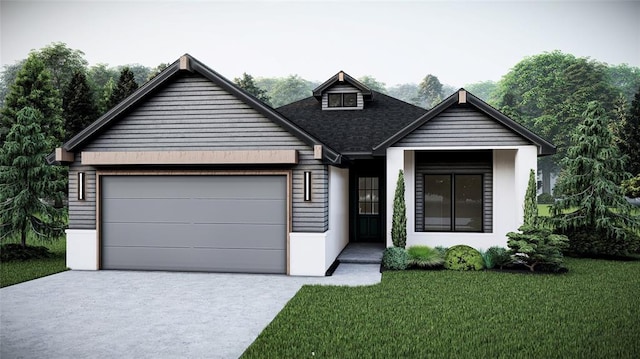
[[592, 312], [21, 271]]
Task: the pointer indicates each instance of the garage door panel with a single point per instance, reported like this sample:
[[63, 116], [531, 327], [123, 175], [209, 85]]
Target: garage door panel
[[257, 236], [235, 187], [198, 223], [193, 210], [189, 259]]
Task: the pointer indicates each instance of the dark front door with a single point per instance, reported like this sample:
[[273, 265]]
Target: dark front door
[[369, 220]]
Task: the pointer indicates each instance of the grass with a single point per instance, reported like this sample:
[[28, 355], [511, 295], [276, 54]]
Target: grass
[[590, 312], [21, 271]]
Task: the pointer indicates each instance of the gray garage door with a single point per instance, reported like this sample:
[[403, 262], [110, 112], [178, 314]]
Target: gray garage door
[[194, 223]]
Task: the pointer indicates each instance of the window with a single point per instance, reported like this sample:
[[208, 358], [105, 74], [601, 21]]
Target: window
[[343, 99], [453, 202], [368, 201]]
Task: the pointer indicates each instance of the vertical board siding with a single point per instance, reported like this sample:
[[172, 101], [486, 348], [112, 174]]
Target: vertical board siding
[[455, 162], [461, 126], [82, 213], [192, 113], [342, 88]]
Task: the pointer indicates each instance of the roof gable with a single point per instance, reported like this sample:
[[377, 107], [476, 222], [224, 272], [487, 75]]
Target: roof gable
[[464, 98], [342, 78], [185, 65]]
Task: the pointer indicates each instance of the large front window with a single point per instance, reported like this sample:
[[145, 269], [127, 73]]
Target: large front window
[[453, 202]]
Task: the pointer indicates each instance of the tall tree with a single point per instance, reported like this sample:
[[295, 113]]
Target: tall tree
[[625, 78], [373, 84], [33, 88], [630, 133], [8, 76], [407, 93], [290, 89], [430, 91], [158, 69], [125, 87], [62, 62], [26, 178], [591, 208], [78, 105], [247, 83], [140, 73], [484, 89]]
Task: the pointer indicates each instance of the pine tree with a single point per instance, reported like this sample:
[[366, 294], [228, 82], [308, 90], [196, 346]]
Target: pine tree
[[78, 104], [399, 222], [591, 208], [26, 178], [247, 83], [631, 136], [33, 88], [530, 203], [125, 87]]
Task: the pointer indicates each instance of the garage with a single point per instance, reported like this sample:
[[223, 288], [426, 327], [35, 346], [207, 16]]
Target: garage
[[216, 223]]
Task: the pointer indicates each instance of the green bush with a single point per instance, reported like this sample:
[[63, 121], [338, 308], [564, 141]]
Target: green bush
[[15, 252], [534, 246], [442, 250], [424, 257], [463, 257], [631, 187], [545, 198], [496, 257], [589, 242], [395, 258]]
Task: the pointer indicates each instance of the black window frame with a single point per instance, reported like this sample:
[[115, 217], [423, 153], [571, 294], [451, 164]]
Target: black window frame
[[342, 100], [452, 215]]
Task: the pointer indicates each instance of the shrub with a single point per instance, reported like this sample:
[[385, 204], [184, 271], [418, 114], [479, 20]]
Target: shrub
[[590, 242], [545, 198], [496, 257], [15, 252], [424, 257], [463, 257], [399, 218], [395, 258], [631, 187], [535, 246], [442, 250]]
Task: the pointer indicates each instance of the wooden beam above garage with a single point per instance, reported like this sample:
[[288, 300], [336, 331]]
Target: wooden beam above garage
[[190, 157]]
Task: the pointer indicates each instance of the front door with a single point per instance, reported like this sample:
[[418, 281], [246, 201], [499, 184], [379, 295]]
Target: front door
[[369, 221]]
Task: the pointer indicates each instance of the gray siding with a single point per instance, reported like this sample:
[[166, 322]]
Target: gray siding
[[455, 162], [461, 126], [82, 213], [193, 113], [342, 88]]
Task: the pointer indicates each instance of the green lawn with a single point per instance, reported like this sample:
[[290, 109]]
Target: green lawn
[[590, 312], [17, 271]]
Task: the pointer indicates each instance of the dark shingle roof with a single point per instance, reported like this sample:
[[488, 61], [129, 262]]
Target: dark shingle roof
[[353, 131]]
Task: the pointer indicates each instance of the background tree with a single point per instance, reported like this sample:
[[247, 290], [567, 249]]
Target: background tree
[[399, 218], [33, 88], [430, 91], [591, 208], [141, 73], [630, 133], [625, 78], [373, 84], [484, 90], [62, 62], [8, 76], [158, 69], [247, 83], [26, 178], [406, 92], [290, 89], [78, 105], [125, 87]]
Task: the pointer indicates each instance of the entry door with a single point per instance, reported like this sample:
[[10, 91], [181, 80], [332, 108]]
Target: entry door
[[368, 212]]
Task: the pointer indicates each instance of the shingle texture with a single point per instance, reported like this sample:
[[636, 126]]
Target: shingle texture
[[351, 131]]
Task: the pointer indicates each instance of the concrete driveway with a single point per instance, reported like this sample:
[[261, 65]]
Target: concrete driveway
[[122, 314]]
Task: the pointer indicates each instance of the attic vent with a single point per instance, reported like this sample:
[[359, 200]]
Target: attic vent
[[462, 96], [341, 76], [184, 63]]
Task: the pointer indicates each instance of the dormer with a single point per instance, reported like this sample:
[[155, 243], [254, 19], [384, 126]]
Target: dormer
[[342, 92]]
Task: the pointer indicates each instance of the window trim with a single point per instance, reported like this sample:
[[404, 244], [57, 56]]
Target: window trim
[[342, 102], [452, 221]]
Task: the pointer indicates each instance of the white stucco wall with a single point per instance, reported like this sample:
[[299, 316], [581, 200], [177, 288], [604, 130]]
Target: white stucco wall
[[511, 167], [311, 254], [82, 249]]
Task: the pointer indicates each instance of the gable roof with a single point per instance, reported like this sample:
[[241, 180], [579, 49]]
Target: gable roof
[[353, 133], [190, 64], [462, 96], [342, 77]]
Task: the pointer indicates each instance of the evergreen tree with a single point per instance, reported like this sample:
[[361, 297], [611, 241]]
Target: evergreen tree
[[78, 104], [591, 208], [530, 203], [247, 83], [630, 134], [430, 91], [33, 88], [125, 87], [26, 178], [399, 220]]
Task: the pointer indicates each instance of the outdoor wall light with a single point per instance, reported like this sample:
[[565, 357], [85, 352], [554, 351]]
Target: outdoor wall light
[[307, 186], [81, 185]]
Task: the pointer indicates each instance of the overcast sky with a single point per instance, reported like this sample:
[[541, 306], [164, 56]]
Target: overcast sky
[[396, 42]]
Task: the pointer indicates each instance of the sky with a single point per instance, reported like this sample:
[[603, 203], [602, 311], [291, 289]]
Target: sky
[[460, 42]]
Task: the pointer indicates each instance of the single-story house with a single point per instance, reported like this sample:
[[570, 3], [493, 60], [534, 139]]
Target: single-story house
[[193, 173]]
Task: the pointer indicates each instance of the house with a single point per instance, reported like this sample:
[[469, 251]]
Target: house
[[192, 173]]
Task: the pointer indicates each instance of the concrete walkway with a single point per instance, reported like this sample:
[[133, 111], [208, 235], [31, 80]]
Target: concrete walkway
[[122, 314]]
